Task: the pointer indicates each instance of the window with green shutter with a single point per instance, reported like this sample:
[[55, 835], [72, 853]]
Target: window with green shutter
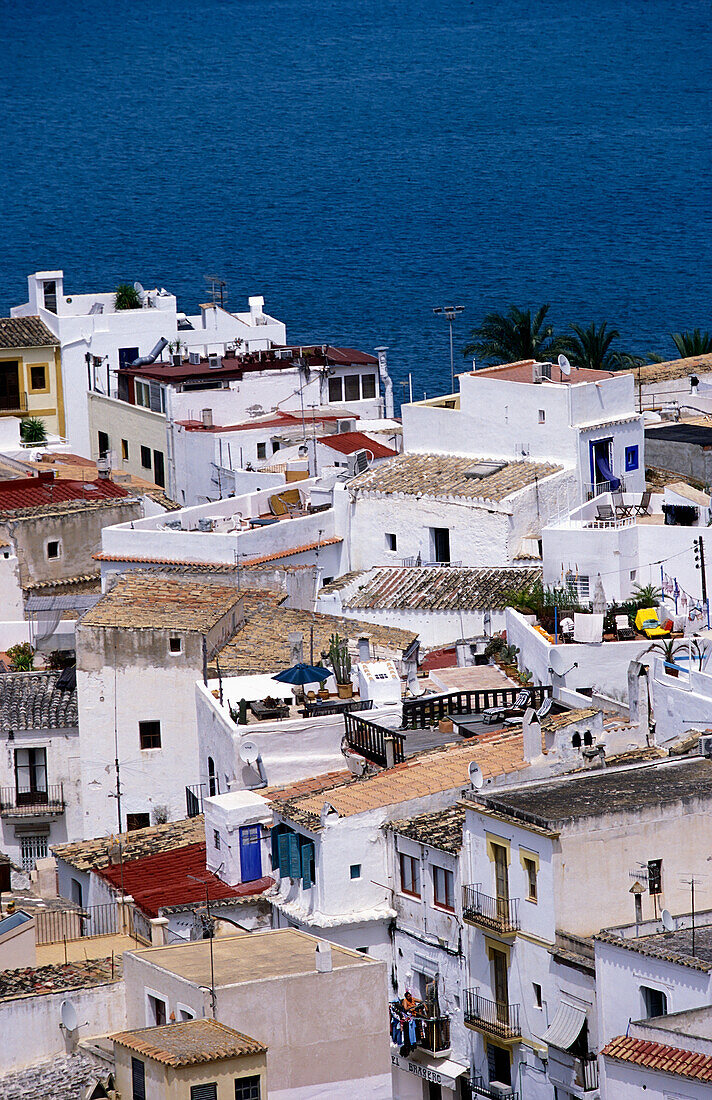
[[307, 864], [295, 863], [283, 843]]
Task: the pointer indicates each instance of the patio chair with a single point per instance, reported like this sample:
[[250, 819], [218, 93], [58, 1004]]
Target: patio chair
[[287, 503], [500, 714], [604, 513], [643, 509], [624, 630], [621, 508]]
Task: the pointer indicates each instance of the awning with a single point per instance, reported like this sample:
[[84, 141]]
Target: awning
[[439, 1071], [566, 1026]]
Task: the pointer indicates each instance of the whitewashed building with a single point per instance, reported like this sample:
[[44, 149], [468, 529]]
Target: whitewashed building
[[663, 1057]]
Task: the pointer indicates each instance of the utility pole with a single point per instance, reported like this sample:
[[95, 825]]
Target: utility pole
[[450, 313], [209, 924], [699, 548]]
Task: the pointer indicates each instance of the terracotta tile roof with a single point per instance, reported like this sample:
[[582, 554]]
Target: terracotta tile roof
[[189, 1042], [432, 475], [343, 581], [262, 644], [82, 580], [164, 879], [568, 718], [25, 332], [45, 491], [92, 855], [221, 567], [442, 830], [675, 947], [429, 773], [346, 443], [522, 372], [659, 1056], [143, 600], [32, 701], [672, 369], [291, 551], [433, 589], [306, 786], [57, 977]]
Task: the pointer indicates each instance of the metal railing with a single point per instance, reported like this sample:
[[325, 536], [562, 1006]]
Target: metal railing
[[499, 914], [16, 403], [56, 925], [478, 1087], [194, 795], [416, 563], [421, 713], [595, 489], [16, 802], [495, 1017], [139, 926], [436, 1037], [368, 739], [315, 710]]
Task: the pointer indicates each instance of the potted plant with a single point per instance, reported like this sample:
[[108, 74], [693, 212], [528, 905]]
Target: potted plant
[[341, 664], [126, 297], [33, 430]]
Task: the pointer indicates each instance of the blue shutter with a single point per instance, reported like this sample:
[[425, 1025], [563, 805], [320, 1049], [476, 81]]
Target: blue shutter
[[284, 853], [274, 837], [295, 869], [307, 859]]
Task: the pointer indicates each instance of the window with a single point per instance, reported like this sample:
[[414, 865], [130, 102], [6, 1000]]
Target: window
[[212, 778], [410, 875], [542, 416], [38, 378], [247, 1088], [275, 446], [368, 386], [336, 390], [537, 994], [655, 876], [355, 870], [159, 475], [654, 1000], [50, 295], [175, 645], [31, 776], [32, 848], [631, 458], [185, 1013], [530, 872], [216, 839], [125, 449], [352, 387], [53, 549], [137, 821], [138, 1079], [444, 888], [149, 735], [146, 458], [157, 1010], [142, 394], [204, 1092], [103, 441], [583, 585], [261, 450], [127, 356], [440, 541], [391, 542]]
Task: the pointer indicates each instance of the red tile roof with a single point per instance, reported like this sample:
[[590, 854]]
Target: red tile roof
[[658, 1056], [292, 550], [348, 442], [218, 566], [163, 880], [31, 492]]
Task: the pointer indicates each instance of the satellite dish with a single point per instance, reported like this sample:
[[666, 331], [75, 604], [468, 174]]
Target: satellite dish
[[139, 290], [477, 779], [564, 365], [249, 752], [68, 1015], [668, 921]]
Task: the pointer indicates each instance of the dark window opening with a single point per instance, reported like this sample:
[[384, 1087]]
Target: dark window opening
[[149, 735], [38, 378], [174, 645], [50, 295], [103, 443], [444, 888], [352, 387], [247, 1088], [159, 475], [368, 386], [137, 821], [410, 875], [146, 458], [31, 775], [391, 542], [127, 356], [355, 870], [212, 780], [499, 1065], [216, 840], [125, 449], [138, 1079], [261, 450], [655, 876], [53, 548], [336, 391], [654, 1000], [441, 544]]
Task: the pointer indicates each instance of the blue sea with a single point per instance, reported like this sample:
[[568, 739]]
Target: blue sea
[[359, 163]]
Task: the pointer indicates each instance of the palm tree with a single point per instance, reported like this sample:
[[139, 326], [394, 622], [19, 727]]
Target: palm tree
[[591, 347], [514, 335], [646, 595], [692, 343], [33, 430], [126, 297], [668, 648]]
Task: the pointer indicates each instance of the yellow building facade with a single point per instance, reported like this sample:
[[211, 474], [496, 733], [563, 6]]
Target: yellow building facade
[[31, 372]]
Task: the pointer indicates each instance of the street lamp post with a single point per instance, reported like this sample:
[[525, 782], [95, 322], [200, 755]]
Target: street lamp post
[[450, 313]]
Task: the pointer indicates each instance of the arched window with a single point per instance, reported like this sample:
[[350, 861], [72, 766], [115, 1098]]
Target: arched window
[[576, 740], [212, 781], [587, 738]]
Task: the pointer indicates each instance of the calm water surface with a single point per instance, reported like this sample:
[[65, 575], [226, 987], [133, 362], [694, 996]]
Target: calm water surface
[[361, 162]]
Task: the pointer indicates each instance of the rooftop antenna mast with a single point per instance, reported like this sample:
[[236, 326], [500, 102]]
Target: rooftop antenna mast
[[218, 289], [209, 927]]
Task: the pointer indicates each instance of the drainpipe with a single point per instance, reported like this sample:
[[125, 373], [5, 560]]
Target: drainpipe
[[389, 410]]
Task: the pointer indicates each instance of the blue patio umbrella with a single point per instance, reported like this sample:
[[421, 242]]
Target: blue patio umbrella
[[303, 674]]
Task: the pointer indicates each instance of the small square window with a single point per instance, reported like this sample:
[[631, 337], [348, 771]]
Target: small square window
[[537, 994], [275, 446], [53, 549], [542, 416], [410, 875], [248, 1088], [355, 870], [631, 458], [336, 389], [137, 821], [216, 839], [38, 378], [150, 735], [352, 387], [125, 449], [443, 881], [146, 458], [175, 645], [204, 1092], [261, 450], [391, 542], [368, 386]]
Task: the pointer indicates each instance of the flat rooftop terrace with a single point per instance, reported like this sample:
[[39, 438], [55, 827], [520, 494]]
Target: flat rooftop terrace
[[252, 957]]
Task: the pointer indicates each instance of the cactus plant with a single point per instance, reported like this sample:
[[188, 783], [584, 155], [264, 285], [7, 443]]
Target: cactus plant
[[340, 659]]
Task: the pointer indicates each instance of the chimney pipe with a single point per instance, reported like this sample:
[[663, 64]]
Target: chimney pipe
[[295, 647], [389, 742], [323, 957], [364, 647], [207, 417], [531, 730]]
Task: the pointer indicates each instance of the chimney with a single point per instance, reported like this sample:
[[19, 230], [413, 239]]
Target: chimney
[[531, 730], [364, 647], [295, 647], [389, 742], [103, 467], [207, 418], [323, 957]]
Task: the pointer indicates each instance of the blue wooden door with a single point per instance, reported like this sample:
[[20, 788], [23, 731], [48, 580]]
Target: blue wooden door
[[250, 854]]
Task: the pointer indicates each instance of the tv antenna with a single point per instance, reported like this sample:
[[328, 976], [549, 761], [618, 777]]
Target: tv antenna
[[217, 288], [564, 365]]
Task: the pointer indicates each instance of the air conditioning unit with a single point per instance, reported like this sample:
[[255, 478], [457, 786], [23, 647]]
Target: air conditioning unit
[[499, 1091], [705, 746], [345, 426], [214, 362], [176, 360], [357, 463], [194, 358]]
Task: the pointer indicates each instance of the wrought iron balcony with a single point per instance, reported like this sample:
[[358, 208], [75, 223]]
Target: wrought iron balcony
[[492, 1017], [478, 1087], [495, 914], [436, 1037], [16, 802]]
